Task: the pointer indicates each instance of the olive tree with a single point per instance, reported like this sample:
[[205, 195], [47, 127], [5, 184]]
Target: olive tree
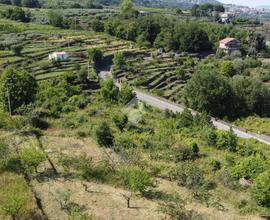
[[135, 180]]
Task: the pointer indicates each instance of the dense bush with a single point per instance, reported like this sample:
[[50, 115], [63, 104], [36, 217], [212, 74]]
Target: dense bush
[[135, 179], [120, 120], [126, 94], [31, 158], [187, 174], [249, 167], [104, 135], [109, 91], [17, 14], [261, 189], [187, 153], [226, 140]]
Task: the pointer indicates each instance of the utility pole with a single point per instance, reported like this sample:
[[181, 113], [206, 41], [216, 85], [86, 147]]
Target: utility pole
[[9, 82]]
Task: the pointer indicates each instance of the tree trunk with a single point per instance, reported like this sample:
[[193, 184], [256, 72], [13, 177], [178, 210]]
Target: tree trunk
[[128, 202]]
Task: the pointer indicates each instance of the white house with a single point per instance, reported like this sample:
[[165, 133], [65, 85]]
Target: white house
[[226, 17], [229, 45], [143, 13], [58, 56]]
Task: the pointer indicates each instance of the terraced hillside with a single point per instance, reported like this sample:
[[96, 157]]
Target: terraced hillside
[[39, 41], [164, 75]]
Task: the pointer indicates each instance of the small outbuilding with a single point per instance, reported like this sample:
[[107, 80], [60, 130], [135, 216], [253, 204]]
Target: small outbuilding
[[58, 56], [229, 45]]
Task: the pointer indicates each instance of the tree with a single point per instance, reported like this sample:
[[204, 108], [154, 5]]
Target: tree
[[227, 68], [120, 120], [126, 94], [97, 26], [95, 55], [261, 189], [17, 14], [104, 135], [179, 11], [251, 96], [31, 158], [226, 140], [219, 8], [249, 167], [127, 10], [119, 59], [17, 49], [109, 91], [31, 3], [16, 2], [56, 19], [195, 10], [20, 86], [208, 91], [256, 41], [135, 180], [188, 175], [188, 153], [142, 41], [126, 5]]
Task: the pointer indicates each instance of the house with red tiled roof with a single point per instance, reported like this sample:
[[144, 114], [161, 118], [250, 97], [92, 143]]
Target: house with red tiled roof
[[229, 45]]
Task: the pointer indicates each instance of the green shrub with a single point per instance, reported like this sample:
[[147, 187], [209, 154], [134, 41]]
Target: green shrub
[[185, 119], [104, 135], [187, 174], [214, 165], [14, 195], [31, 158], [126, 94], [188, 153], [249, 167], [120, 120], [211, 137], [261, 189], [135, 179], [79, 101], [226, 140]]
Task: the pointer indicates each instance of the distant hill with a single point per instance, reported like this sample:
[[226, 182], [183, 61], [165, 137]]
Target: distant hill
[[263, 7], [164, 3]]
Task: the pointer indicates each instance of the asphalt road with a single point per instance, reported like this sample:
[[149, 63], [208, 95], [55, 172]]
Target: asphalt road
[[164, 104]]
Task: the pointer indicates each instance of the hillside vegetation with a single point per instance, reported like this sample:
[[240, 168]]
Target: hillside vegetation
[[74, 146]]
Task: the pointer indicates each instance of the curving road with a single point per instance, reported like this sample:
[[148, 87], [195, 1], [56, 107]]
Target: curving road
[[165, 104]]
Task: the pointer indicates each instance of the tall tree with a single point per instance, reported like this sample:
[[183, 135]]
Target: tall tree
[[17, 87], [208, 91]]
